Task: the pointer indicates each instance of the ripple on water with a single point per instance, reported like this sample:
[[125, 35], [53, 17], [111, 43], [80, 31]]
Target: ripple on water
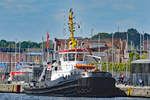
[[13, 96]]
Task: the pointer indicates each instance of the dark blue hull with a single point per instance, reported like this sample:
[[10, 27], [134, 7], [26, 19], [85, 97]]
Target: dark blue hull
[[92, 86]]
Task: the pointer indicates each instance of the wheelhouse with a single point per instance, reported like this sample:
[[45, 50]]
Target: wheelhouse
[[73, 55]]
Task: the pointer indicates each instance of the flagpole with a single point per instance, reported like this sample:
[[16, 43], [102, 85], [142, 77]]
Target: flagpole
[[47, 47], [47, 55], [42, 50]]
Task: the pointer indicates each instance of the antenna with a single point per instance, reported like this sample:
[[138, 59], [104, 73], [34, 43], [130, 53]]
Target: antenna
[[64, 30], [72, 43]]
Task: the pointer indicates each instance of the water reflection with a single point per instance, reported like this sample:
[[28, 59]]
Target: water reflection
[[13, 96]]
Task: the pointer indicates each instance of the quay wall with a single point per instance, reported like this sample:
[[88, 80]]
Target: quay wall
[[135, 91], [130, 91], [11, 88]]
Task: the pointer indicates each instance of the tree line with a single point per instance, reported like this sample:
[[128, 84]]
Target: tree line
[[133, 35], [24, 44]]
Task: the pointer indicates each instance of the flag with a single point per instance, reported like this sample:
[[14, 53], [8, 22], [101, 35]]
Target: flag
[[48, 68], [3, 76], [47, 40]]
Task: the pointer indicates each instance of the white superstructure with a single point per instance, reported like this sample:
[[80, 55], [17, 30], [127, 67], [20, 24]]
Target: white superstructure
[[70, 61]]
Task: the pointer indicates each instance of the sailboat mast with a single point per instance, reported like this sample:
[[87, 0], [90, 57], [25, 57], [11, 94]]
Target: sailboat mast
[[19, 51], [112, 54], [140, 45], [15, 55], [42, 50], [147, 48]]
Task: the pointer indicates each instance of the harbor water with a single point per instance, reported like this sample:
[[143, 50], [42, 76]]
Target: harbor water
[[13, 96]]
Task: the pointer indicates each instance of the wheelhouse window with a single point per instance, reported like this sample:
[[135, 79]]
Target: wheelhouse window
[[71, 56], [80, 57], [60, 55], [65, 57]]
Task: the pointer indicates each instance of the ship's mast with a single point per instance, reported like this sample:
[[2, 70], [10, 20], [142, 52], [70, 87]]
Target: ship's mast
[[72, 42]]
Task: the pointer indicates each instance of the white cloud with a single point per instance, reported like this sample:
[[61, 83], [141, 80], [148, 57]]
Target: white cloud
[[16, 3], [59, 15], [126, 23], [9, 1], [120, 6], [97, 4]]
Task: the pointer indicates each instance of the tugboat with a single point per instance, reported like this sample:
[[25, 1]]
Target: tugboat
[[73, 75]]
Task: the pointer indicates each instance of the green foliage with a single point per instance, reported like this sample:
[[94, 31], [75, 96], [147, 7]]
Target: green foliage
[[143, 56], [131, 55], [133, 35], [134, 56], [137, 57], [24, 44], [11, 44], [102, 35], [3, 43], [51, 45], [29, 44], [118, 67]]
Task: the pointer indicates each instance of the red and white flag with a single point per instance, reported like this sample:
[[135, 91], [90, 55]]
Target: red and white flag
[[47, 40]]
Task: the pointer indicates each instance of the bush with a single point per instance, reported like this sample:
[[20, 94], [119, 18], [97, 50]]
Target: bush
[[118, 67]]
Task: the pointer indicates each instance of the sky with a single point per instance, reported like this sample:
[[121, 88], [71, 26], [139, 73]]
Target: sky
[[23, 20]]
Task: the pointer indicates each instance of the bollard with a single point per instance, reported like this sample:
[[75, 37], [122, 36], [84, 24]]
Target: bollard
[[12, 87], [18, 88], [129, 91]]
